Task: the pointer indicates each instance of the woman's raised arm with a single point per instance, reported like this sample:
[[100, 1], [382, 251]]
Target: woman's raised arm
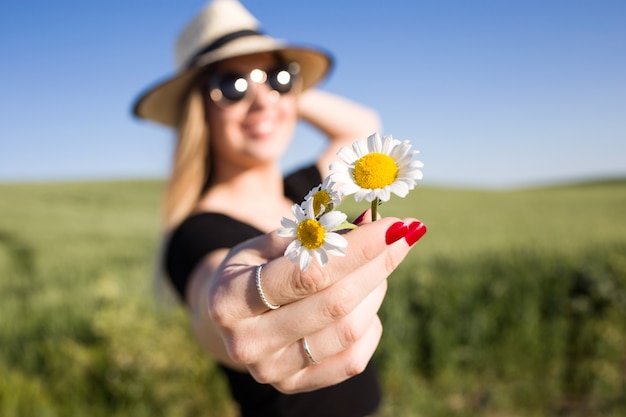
[[341, 120]]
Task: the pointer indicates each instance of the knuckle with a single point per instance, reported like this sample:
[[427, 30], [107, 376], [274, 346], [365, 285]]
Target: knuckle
[[367, 251], [391, 261], [286, 387], [314, 280], [348, 334], [355, 366], [340, 305], [218, 311], [262, 374], [239, 352]]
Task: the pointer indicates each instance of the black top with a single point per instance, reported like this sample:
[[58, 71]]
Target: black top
[[202, 233]]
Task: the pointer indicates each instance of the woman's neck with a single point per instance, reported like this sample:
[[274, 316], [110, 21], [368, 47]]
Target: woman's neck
[[254, 196], [233, 189], [261, 180]]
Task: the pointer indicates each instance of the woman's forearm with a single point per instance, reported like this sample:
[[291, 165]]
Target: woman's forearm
[[337, 117], [341, 120]]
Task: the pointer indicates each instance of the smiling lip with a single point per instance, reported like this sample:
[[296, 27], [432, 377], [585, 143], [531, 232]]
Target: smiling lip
[[261, 128]]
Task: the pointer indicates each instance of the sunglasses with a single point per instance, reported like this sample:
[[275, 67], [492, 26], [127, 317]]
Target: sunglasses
[[227, 88]]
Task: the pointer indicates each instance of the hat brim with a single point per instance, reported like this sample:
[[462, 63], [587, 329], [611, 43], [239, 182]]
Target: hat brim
[[163, 102]]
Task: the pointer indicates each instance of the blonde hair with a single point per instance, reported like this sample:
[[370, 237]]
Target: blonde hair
[[190, 165], [189, 173]]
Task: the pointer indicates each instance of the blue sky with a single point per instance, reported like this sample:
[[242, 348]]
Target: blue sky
[[493, 93]]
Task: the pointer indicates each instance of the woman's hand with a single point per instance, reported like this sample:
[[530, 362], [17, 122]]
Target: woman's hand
[[334, 307]]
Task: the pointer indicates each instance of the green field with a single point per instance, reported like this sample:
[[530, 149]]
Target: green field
[[513, 304]]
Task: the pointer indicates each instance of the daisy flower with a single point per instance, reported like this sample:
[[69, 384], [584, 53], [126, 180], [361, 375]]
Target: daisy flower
[[324, 197], [375, 168], [314, 238]]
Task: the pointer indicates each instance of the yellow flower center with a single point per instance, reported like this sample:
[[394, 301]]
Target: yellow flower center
[[311, 234], [375, 170], [321, 198]]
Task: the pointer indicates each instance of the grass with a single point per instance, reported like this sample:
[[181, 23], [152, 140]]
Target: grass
[[513, 304]]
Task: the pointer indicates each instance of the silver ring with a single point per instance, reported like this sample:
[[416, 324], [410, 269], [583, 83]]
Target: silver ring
[[305, 346], [259, 288]]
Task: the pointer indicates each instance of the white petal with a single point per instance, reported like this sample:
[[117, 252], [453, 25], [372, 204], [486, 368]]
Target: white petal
[[336, 240], [293, 249], [338, 167], [312, 192], [347, 155], [288, 223], [407, 182], [349, 188], [332, 219], [401, 158], [298, 212], [360, 194], [360, 149], [341, 179], [305, 260], [414, 163], [400, 189], [384, 194], [411, 175], [335, 251], [399, 153], [408, 177], [388, 145], [286, 232], [308, 209], [371, 195], [321, 257], [374, 143], [409, 169]]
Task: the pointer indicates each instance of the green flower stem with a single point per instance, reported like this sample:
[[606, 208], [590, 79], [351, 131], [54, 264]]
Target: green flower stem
[[374, 209]]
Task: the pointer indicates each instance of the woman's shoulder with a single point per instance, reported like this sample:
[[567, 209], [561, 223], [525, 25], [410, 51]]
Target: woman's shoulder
[[205, 218], [211, 226], [194, 238]]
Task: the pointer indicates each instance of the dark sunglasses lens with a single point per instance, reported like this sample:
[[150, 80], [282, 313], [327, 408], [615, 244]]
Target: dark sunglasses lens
[[233, 86], [280, 80]]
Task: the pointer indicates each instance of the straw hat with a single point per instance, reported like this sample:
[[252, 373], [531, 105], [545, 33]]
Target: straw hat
[[224, 29]]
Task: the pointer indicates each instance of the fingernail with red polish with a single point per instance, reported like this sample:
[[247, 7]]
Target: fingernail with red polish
[[359, 219], [396, 231], [415, 231]]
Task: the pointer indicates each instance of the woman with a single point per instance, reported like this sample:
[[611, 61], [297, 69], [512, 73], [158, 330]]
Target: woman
[[234, 103]]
